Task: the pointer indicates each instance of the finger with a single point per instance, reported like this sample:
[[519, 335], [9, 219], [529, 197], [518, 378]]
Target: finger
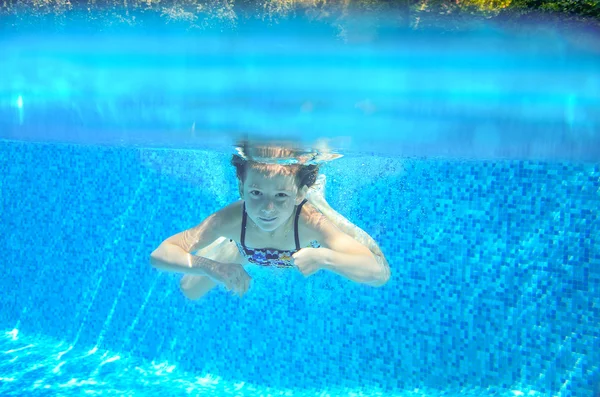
[[247, 281], [230, 284], [303, 271], [243, 290], [238, 288], [246, 285], [300, 269], [308, 271]]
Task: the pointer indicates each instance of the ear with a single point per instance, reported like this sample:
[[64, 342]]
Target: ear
[[301, 194]]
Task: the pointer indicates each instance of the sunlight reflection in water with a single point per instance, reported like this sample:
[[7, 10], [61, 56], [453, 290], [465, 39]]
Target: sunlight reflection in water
[[43, 366]]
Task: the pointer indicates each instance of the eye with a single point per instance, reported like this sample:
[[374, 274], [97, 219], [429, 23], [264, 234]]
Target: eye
[[281, 195], [254, 193]]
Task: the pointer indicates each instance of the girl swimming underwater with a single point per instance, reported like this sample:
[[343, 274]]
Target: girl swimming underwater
[[281, 220]]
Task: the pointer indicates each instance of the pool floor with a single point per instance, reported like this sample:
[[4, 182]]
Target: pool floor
[[41, 366]]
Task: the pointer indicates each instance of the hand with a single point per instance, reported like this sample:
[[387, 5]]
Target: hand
[[309, 260], [232, 275]]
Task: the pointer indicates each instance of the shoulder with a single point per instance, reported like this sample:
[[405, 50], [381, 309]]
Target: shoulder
[[218, 224], [312, 223], [226, 219], [319, 227], [231, 212]]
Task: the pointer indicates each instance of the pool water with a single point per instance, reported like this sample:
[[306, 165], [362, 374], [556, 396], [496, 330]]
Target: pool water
[[472, 158], [43, 367], [495, 286]]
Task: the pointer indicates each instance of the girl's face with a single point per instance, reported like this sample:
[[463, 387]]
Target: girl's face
[[270, 201]]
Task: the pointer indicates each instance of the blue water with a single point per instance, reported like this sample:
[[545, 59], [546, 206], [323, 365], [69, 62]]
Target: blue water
[[471, 158], [495, 285]]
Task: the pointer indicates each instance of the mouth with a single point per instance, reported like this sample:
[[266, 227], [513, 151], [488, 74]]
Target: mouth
[[268, 220]]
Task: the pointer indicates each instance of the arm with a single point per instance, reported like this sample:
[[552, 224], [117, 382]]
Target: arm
[[174, 254], [348, 227], [341, 254], [344, 255]]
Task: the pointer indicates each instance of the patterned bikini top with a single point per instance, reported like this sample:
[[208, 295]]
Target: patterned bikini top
[[271, 256]]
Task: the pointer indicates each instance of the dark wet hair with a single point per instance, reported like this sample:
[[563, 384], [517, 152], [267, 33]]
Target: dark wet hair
[[305, 174]]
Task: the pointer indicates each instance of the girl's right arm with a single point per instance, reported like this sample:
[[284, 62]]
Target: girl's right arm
[[175, 253]]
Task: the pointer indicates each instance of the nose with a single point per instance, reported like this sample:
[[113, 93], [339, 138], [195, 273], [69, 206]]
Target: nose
[[270, 207]]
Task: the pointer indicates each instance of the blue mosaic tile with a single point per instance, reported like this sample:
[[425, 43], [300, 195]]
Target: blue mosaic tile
[[495, 271]]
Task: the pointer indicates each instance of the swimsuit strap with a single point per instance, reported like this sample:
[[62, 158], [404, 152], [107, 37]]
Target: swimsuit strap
[[243, 236], [296, 225]]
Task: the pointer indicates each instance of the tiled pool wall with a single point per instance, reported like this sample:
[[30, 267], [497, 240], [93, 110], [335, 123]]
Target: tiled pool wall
[[495, 271]]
